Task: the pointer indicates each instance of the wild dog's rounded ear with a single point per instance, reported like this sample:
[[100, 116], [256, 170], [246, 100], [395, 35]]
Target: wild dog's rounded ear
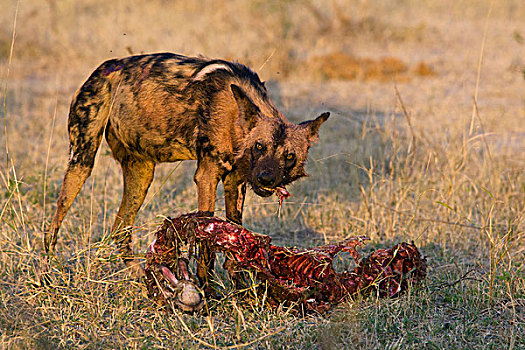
[[248, 111], [313, 126]]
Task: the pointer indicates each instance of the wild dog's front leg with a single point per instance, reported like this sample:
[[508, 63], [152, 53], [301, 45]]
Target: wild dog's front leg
[[207, 177], [234, 194]]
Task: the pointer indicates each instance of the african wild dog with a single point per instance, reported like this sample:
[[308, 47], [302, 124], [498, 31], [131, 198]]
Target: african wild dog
[[165, 108]]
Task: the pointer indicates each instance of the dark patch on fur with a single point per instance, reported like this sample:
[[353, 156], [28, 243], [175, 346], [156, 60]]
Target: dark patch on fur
[[204, 146], [279, 135]]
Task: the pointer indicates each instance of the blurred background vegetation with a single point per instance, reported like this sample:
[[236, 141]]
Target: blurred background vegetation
[[426, 143]]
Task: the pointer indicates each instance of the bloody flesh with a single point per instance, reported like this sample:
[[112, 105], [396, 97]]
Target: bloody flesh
[[281, 193], [304, 276]]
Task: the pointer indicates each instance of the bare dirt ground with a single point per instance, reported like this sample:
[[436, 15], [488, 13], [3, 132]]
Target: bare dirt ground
[[426, 143]]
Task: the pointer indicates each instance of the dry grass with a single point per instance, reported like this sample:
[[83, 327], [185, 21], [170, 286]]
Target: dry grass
[[402, 159]]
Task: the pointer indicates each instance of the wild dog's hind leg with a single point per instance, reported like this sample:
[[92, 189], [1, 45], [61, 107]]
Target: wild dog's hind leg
[[88, 116], [75, 177], [138, 175]]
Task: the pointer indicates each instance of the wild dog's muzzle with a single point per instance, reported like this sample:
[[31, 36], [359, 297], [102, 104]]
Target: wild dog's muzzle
[[266, 176], [265, 183], [267, 180]]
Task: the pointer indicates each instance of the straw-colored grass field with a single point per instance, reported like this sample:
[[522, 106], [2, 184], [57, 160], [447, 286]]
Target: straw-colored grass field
[[426, 143]]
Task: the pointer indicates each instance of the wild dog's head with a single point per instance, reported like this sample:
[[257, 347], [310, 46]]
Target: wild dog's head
[[274, 150]]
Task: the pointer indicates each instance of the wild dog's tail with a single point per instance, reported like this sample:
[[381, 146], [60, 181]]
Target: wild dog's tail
[[88, 117]]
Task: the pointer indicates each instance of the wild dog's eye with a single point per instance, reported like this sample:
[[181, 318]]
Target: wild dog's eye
[[290, 156], [258, 146]]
